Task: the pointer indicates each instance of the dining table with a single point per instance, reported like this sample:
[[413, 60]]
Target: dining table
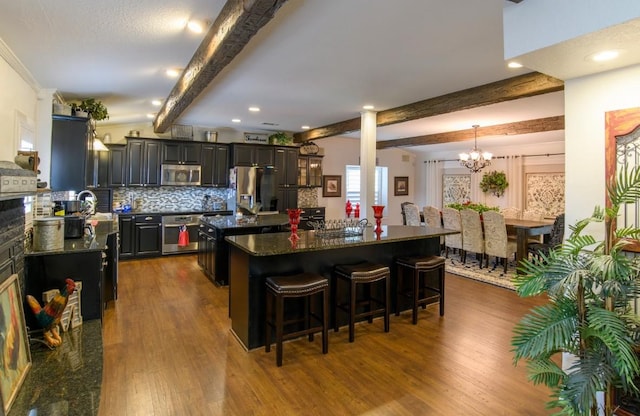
[[525, 229]]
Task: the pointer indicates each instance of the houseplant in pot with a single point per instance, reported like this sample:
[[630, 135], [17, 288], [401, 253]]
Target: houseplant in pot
[[92, 108], [590, 285], [494, 182]]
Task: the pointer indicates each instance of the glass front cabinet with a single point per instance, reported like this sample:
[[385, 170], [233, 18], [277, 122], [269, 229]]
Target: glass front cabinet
[[310, 171]]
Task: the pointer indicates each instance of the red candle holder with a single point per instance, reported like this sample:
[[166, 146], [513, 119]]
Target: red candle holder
[[294, 220], [348, 208], [377, 214]]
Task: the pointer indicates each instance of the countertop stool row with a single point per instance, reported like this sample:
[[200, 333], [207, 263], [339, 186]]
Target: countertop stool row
[[365, 303]]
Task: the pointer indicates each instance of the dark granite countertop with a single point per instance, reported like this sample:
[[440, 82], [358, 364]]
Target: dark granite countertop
[[258, 221], [67, 380], [176, 212], [97, 242], [281, 243]]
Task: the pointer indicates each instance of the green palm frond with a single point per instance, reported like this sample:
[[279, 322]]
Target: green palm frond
[[626, 188], [545, 371], [548, 328], [584, 379]]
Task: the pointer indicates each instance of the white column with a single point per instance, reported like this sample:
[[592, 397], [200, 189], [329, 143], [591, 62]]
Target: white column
[[43, 132], [368, 128]]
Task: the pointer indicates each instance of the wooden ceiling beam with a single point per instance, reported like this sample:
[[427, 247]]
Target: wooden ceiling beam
[[527, 85], [507, 129], [236, 24]]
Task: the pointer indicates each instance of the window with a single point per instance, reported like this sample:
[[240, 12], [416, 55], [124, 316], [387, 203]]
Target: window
[[353, 185]]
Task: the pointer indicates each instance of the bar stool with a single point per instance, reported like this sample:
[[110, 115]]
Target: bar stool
[[303, 285], [421, 293], [357, 274]]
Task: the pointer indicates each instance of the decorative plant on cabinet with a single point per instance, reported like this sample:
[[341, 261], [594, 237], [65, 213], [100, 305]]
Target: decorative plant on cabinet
[[591, 285]]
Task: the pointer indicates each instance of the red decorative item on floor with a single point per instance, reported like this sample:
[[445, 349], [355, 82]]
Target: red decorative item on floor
[[348, 208]]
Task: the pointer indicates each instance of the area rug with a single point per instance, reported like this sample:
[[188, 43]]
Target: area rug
[[494, 274]]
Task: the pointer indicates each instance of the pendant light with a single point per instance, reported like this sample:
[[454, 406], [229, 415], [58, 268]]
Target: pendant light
[[475, 160]]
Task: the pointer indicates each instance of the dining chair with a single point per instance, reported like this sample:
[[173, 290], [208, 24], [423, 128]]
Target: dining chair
[[511, 212], [532, 214], [451, 220], [432, 218], [472, 238], [411, 213], [496, 242], [555, 239]]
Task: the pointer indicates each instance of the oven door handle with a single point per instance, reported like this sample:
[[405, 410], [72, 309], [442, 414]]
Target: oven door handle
[[178, 225]]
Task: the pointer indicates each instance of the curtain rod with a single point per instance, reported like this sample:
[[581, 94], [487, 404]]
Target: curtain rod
[[498, 157]]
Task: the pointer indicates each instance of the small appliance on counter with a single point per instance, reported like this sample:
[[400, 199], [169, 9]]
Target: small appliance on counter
[[74, 226]]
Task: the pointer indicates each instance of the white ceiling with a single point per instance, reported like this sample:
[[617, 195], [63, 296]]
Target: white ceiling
[[316, 63]]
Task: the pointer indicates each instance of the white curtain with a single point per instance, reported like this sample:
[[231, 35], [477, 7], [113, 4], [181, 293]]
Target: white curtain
[[433, 182], [515, 177]]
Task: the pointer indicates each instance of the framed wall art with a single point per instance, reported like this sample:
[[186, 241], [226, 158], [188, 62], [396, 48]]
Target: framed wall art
[[331, 185], [400, 185], [15, 349]]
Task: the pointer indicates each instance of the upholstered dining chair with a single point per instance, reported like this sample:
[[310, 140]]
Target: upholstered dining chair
[[432, 218], [556, 238], [511, 212], [451, 220], [496, 242], [410, 213], [532, 214], [472, 238]]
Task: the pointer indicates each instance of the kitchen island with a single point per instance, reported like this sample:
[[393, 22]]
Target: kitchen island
[[254, 257], [213, 250]]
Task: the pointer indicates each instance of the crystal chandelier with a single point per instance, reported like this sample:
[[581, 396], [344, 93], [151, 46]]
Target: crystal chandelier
[[476, 159]]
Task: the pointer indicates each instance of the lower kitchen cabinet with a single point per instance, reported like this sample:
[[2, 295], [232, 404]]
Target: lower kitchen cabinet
[[140, 236]]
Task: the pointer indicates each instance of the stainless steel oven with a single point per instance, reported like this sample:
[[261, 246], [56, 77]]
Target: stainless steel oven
[[171, 232]]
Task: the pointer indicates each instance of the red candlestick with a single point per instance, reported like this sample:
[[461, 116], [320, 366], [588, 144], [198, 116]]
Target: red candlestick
[[356, 213], [377, 214], [348, 209]]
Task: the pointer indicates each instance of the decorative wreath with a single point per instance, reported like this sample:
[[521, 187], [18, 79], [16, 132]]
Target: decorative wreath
[[494, 182]]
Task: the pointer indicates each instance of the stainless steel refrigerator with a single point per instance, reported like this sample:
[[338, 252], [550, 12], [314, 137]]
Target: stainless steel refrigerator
[[254, 189]]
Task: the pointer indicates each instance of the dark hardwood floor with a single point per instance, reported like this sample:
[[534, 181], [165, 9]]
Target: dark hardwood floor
[[168, 350]]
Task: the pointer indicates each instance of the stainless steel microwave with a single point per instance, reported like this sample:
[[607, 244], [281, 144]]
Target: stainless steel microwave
[[181, 175]]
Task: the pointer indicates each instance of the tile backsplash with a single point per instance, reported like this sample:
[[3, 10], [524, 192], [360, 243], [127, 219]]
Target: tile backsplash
[[167, 198]]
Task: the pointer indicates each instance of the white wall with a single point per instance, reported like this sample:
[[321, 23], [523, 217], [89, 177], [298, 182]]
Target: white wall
[[340, 152], [586, 101], [17, 99]]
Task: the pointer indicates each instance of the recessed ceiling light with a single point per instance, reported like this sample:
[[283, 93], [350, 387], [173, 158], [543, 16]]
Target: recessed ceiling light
[[195, 26], [236, 120], [514, 64], [254, 109], [368, 107], [173, 72], [305, 127], [604, 56], [157, 103]]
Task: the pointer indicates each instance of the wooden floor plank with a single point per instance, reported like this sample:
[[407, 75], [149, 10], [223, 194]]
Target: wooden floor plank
[[168, 350]]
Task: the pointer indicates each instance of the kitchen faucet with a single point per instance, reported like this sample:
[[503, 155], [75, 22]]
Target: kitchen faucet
[[88, 208]]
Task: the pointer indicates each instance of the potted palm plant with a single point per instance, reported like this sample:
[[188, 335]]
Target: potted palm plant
[[590, 285], [92, 107]]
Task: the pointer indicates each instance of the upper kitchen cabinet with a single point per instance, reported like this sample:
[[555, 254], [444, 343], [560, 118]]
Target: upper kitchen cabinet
[[215, 165], [309, 171], [72, 163], [181, 153], [144, 162], [286, 163], [112, 166], [251, 155]]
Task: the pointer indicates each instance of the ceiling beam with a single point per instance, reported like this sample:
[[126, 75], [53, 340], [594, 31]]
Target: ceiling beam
[[527, 85], [236, 24], [507, 129]]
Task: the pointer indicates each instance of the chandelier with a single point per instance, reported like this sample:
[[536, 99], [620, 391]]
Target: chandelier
[[476, 159]]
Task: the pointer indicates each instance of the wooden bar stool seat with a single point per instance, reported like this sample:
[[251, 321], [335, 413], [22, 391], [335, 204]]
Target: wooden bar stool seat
[[422, 291], [303, 285], [362, 274]]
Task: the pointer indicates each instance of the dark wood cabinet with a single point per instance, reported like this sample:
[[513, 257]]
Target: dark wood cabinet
[[144, 162], [148, 235], [287, 198], [181, 153], [251, 155], [126, 233], [286, 163], [310, 171], [72, 158], [112, 166], [215, 165]]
